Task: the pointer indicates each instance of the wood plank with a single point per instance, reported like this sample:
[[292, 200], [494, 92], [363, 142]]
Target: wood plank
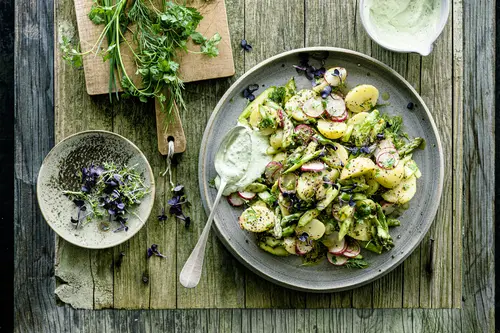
[[436, 91], [479, 161], [74, 112], [458, 162], [272, 27], [411, 266], [193, 67], [222, 278]]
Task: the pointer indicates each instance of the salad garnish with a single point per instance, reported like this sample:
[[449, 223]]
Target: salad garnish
[[107, 191]]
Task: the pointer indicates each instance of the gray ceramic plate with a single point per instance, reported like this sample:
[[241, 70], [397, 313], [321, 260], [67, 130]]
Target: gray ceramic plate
[[58, 173], [287, 271]]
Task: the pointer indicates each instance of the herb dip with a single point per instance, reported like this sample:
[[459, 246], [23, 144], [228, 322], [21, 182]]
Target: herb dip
[[403, 23], [238, 154]]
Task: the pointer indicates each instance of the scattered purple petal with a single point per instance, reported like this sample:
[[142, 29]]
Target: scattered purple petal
[[154, 250], [245, 46], [303, 237], [326, 92]]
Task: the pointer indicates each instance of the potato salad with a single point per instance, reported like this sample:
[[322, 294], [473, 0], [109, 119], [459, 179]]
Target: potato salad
[[340, 176]]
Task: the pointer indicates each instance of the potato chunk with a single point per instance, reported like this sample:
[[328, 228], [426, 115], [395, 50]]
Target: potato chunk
[[402, 193], [357, 167], [390, 178], [331, 129], [361, 98]]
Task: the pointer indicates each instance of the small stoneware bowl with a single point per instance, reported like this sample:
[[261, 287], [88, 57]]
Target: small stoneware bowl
[[59, 172], [410, 47]]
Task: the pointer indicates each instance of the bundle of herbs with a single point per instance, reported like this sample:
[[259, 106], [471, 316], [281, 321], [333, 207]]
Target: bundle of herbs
[[107, 190], [158, 34]]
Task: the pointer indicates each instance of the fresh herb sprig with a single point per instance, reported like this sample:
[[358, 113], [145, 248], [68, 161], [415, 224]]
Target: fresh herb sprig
[[107, 190], [159, 35]]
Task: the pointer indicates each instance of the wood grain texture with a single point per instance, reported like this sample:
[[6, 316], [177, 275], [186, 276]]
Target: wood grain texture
[[35, 307], [193, 67]]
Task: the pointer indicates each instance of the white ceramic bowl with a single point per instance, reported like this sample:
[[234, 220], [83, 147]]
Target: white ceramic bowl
[[424, 49]]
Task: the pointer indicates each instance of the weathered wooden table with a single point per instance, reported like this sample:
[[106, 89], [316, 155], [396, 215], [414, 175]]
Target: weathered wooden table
[[456, 81]]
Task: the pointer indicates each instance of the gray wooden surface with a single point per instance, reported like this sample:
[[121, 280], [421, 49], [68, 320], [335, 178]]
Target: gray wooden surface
[[35, 306]]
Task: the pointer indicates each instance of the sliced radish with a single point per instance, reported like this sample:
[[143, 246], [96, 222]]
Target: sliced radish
[[387, 160], [334, 244], [302, 248], [304, 132], [388, 208], [340, 118], [288, 183], [235, 200], [335, 76], [271, 171], [353, 249], [335, 106], [281, 117], [315, 166], [337, 260], [247, 195], [384, 144], [290, 244], [313, 107]]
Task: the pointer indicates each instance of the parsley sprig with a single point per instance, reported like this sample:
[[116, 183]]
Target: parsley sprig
[[159, 33]]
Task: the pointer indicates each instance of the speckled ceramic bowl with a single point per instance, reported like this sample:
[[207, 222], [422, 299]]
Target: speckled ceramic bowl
[[58, 173], [415, 222]]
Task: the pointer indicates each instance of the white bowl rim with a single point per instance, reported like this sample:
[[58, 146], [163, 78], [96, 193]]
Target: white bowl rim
[[445, 13]]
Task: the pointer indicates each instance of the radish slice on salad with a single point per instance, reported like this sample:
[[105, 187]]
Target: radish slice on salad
[[281, 117], [315, 166], [334, 244], [353, 249], [335, 106], [337, 260], [304, 132], [340, 118], [247, 195], [335, 76], [272, 171], [288, 183], [302, 248], [313, 107], [387, 160], [235, 200]]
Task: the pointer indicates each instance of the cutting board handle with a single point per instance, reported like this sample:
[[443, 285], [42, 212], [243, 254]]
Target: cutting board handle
[[173, 131]]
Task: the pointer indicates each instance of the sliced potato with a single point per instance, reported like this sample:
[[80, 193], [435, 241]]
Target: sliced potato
[[402, 193], [362, 230], [307, 185], [337, 158], [361, 98], [389, 178], [279, 157], [357, 118], [374, 185], [356, 167], [257, 219], [315, 229], [331, 129], [276, 139], [290, 244]]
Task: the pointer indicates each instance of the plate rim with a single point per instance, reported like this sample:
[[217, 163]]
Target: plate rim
[[203, 156], [104, 132]]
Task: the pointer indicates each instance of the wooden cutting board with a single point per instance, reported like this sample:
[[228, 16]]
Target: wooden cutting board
[[193, 67]]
